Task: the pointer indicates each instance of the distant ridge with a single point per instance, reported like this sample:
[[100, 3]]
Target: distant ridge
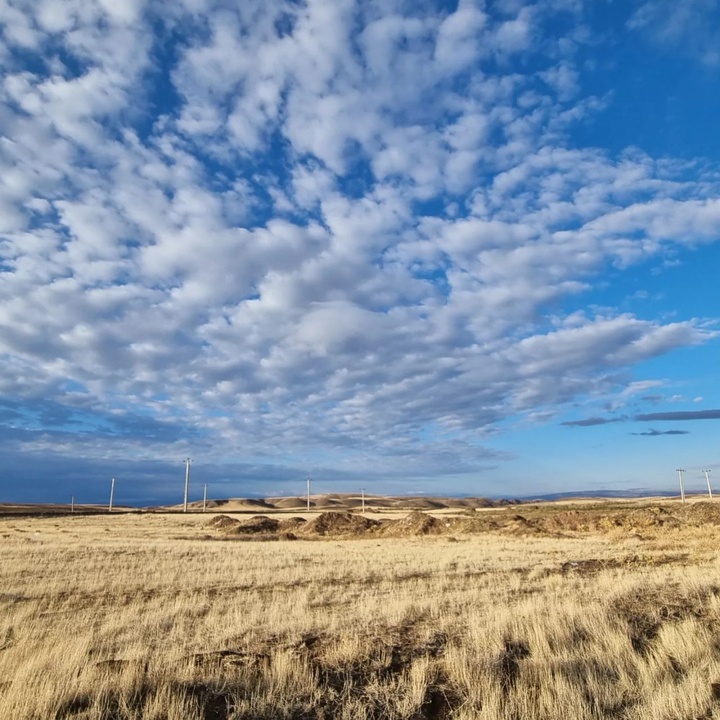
[[342, 501], [349, 502], [600, 494]]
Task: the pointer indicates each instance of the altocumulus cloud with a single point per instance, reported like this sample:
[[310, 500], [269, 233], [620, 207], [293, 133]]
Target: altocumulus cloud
[[327, 229]]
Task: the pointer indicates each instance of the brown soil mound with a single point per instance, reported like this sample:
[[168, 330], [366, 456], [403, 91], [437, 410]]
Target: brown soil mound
[[636, 520], [520, 525], [292, 523], [223, 522], [628, 520], [339, 523], [257, 524], [572, 520], [416, 523], [478, 524]]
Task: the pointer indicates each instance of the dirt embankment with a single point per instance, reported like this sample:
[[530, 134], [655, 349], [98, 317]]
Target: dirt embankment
[[542, 521]]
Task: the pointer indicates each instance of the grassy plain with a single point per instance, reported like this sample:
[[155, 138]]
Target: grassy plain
[[603, 611]]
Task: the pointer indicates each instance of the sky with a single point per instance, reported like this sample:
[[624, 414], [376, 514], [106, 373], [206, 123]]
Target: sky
[[419, 246]]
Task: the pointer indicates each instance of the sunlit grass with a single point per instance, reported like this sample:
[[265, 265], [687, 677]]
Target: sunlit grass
[[144, 617]]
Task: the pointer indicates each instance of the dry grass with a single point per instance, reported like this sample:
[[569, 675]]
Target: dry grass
[[161, 617]]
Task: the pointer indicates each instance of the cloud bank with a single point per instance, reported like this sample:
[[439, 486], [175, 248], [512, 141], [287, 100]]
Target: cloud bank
[[658, 433], [681, 415]]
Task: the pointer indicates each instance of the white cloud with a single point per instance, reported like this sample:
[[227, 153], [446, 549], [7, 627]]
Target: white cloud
[[691, 26], [515, 35], [341, 226], [459, 38], [563, 79]]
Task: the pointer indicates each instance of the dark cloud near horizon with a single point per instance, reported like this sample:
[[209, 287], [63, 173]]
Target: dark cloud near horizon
[[146, 482], [680, 415], [654, 433], [674, 415], [53, 478], [592, 421]]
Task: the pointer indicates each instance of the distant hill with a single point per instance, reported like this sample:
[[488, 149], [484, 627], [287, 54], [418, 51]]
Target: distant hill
[[340, 501], [344, 502], [606, 494]]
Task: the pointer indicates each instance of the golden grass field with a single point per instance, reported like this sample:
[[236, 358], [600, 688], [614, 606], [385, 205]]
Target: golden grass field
[[606, 610]]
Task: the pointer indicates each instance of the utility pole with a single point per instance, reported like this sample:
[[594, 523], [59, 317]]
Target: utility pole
[[72, 503], [707, 480], [680, 472], [187, 482], [308, 493], [204, 496], [112, 493], [362, 490]]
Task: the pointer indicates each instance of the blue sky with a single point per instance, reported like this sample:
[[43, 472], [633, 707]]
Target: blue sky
[[417, 247]]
